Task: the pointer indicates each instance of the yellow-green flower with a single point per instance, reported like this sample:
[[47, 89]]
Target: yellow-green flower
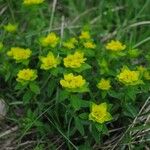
[[70, 44], [85, 35], [129, 77], [50, 40], [99, 113], [32, 2], [50, 61], [26, 75], [89, 44], [11, 27], [71, 81], [115, 45], [104, 84], [74, 60], [19, 54]]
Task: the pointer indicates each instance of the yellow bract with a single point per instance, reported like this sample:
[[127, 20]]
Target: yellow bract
[[89, 44], [104, 84], [19, 54], [70, 44], [74, 60], [25, 75], [50, 61], [71, 81], [50, 40], [30, 2], [129, 77], [85, 35], [99, 113], [115, 46], [10, 27]]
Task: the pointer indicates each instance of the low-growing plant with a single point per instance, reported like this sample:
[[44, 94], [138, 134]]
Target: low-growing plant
[[75, 86]]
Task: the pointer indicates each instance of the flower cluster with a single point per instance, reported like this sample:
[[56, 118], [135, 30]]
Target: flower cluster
[[31, 2], [85, 35], [129, 77], [89, 44], [71, 43], [10, 27], [104, 84], [74, 60], [50, 61], [115, 46], [19, 54], [50, 40], [25, 75], [99, 113], [71, 81]]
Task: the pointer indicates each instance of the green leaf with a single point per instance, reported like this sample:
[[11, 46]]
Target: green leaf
[[85, 146], [79, 125], [34, 87], [89, 52], [51, 86], [130, 110], [63, 94], [27, 96], [18, 86], [83, 67], [85, 103], [7, 76], [84, 116], [99, 127], [95, 134], [75, 102], [80, 90], [56, 71], [115, 94]]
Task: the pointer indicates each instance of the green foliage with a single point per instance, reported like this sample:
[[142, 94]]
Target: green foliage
[[44, 106]]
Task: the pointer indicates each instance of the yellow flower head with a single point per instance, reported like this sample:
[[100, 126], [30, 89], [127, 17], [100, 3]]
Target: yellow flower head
[[129, 77], [115, 46], [104, 84], [25, 75], [85, 35], [32, 2], [71, 81], [70, 44], [89, 44], [50, 61], [19, 54], [10, 27], [99, 113], [50, 40], [75, 60]]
